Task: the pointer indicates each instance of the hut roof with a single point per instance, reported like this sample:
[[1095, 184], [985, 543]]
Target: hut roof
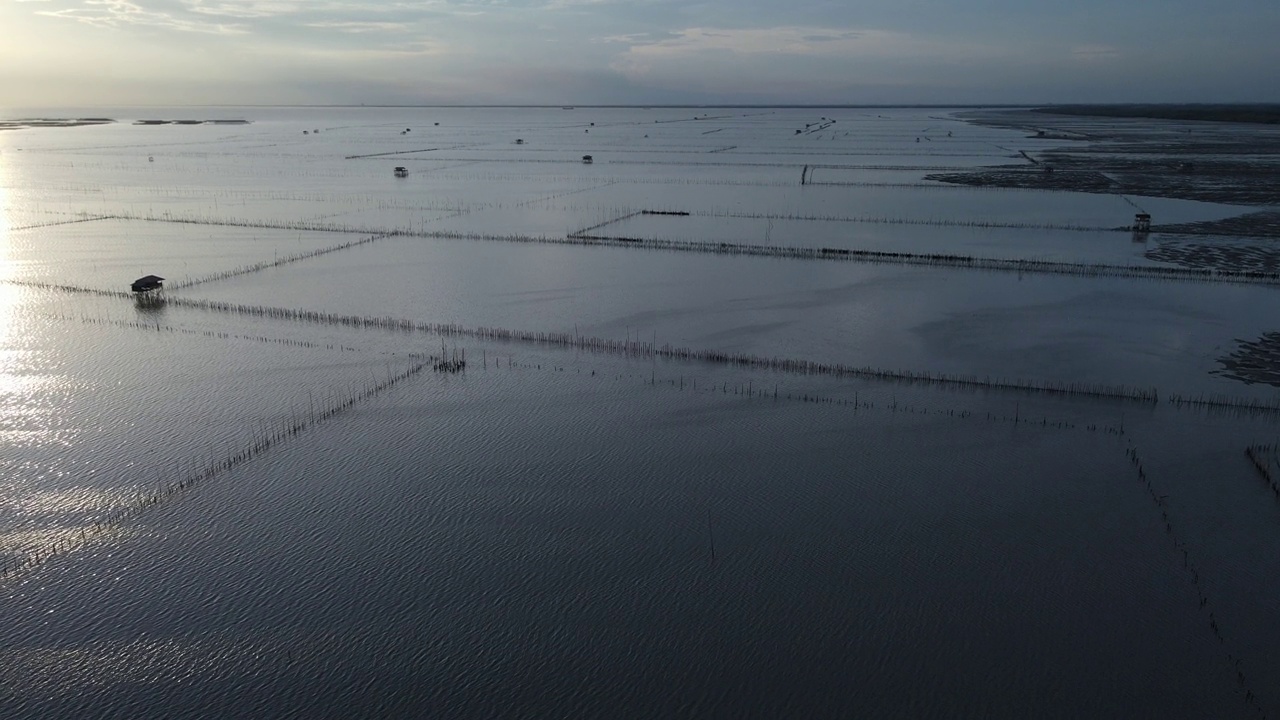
[[146, 282]]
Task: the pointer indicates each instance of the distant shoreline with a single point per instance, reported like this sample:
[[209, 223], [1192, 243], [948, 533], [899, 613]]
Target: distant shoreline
[[81, 122], [569, 107], [1264, 113], [52, 123]]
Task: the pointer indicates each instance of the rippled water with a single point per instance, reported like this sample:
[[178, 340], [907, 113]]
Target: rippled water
[[572, 532]]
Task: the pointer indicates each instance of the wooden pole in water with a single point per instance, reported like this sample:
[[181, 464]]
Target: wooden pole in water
[[711, 535]]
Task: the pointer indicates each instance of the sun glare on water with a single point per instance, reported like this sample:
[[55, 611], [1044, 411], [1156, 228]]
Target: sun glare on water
[[10, 296], [5, 264]]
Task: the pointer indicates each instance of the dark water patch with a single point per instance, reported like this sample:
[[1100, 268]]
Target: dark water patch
[[509, 556], [1191, 570]]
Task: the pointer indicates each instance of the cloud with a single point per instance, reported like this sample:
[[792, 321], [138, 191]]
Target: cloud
[[569, 4], [806, 63], [792, 41], [1094, 53], [830, 37], [419, 48], [121, 13], [360, 27], [769, 50], [244, 8]]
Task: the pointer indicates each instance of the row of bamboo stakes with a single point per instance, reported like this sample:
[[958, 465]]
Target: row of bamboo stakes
[[214, 334], [857, 402], [972, 262], [262, 441], [274, 262], [457, 362], [1018, 265], [1191, 571], [636, 348], [642, 349], [1260, 457]]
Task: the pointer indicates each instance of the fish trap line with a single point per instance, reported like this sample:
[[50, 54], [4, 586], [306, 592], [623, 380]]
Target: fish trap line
[[246, 223], [278, 262], [1192, 572], [1018, 265], [632, 348], [641, 349], [750, 392], [883, 220], [55, 223], [1028, 266], [1247, 405], [263, 440], [214, 334], [1260, 457]]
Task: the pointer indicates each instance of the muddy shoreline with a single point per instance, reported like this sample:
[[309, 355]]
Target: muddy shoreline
[[1222, 162]]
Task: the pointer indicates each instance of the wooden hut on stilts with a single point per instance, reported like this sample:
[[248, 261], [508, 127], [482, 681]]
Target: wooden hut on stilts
[[146, 291], [147, 283]]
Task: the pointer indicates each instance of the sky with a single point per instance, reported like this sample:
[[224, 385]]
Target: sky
[[77, 53]]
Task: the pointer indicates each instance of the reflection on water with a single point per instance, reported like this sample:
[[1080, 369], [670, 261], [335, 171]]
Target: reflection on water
[[10, 343], [5, 210], [149, 304]]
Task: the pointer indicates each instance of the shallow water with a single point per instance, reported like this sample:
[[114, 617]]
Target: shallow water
[[567, 529], [501, 552]]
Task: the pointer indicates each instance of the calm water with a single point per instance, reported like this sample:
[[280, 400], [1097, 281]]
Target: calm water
[[561, 532]]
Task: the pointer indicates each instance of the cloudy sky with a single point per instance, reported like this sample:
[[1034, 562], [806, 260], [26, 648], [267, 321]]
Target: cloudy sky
[[121, 52]]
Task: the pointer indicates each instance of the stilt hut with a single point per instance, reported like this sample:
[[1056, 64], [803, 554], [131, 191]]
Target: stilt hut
[[402, 171], [1141, 226], [586, 160], [147, 283]]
